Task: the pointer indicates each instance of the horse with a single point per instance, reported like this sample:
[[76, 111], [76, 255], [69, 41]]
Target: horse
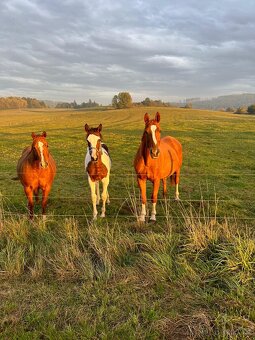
[[36, 170], [97, 166], [157, 159]]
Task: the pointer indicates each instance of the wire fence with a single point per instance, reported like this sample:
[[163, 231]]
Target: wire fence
[[133, 174], [220, 218]]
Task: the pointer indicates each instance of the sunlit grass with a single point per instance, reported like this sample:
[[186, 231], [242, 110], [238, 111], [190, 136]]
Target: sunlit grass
[[188, 276]]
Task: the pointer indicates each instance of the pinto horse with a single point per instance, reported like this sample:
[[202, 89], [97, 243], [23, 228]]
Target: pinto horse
[[97, 166], [36, 170], [157, 159]]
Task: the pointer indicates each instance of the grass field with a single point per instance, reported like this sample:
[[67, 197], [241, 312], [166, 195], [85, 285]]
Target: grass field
[[190, 275]]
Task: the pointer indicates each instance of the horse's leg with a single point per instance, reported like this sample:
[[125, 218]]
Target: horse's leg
[[36, 192], [108, 198], [105, 182], [93, 197], [177, 181], [45, 194], [164, 187], [154, 198], [142, 186], [97, 192], [29, 193]]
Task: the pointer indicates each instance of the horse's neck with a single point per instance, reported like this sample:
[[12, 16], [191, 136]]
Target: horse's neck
[[145, 151]]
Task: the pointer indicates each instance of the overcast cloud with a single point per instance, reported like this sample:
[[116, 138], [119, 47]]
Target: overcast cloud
[[163, 49]]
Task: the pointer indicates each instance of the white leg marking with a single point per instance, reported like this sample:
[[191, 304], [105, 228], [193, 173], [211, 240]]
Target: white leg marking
[[177, 192], [143, 213], [93, 197], [105, 182], [153, 212], [97, 192], [108, 198]]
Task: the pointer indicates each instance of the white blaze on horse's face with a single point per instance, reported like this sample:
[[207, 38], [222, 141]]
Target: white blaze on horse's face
[[93, 139], [153, 129], [40, 147]]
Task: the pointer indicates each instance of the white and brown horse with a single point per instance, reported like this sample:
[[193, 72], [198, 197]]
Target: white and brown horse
[[36, 170], [157, 159], [97, 166]]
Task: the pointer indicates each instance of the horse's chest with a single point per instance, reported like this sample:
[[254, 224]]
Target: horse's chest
[[97, 171], [148, 173]]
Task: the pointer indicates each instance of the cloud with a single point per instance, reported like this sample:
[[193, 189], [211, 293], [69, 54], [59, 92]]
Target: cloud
[[76, 49]]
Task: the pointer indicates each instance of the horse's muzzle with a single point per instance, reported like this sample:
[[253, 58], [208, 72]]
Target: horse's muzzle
[[154, 153], [94, 159]]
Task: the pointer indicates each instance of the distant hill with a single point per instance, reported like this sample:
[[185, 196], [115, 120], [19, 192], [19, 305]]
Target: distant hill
[[223, 102]]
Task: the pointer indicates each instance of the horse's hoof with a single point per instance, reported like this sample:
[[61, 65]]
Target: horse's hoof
[[44, 217], [102, 215], [94, 218], [177, 199], [153, 219], [141, 218]]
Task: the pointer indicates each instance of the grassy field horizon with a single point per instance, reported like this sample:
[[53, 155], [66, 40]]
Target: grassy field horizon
[[188, 276]]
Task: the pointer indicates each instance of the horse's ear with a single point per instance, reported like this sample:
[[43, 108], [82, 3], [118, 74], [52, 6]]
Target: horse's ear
[[86, 127], [44, 134], [33, 135], [99, 128], [146, 118], [157, 117]]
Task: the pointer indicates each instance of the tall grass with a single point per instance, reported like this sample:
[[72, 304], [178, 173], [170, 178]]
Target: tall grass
[[201, 262]]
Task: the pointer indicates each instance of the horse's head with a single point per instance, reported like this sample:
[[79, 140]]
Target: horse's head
[[152, 134], [94, 138], [40, 149]]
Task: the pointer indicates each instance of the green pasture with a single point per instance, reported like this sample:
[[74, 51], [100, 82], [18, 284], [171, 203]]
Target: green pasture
[[189, 276], [218, 157]]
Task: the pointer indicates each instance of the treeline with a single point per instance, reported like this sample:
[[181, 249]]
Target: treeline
[[18, 103], [124, 100], [150, 102], [242, 109], [74, 105]]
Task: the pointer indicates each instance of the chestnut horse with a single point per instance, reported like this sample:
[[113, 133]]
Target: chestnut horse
[[157, 159], [97, 166], [36, 170]]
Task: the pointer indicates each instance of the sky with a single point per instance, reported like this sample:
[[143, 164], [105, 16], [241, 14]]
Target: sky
[[67, 50]]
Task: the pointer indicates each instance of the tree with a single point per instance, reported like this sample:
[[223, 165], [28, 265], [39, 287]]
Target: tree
[[146, 101], [115, 101], [241, 110], [251, 109], [230, 109], [122, 100], [188, 105]]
